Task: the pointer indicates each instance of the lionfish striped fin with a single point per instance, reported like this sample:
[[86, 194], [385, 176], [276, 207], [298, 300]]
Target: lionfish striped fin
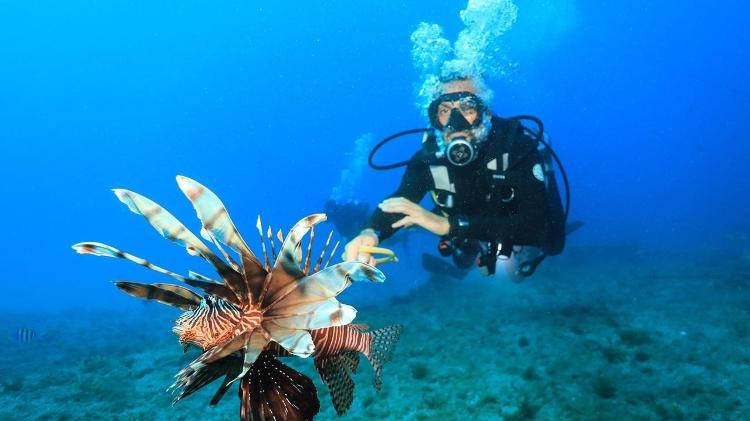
[[207, 374], [199, 277], [333, 252], [101, 249], [181, 291], [351, 360], [172, 229], [360, 327], [323, 252], [280, 236], [227, 382], [381, 348], [254, 345], [171, 295], [187, 374], [308, 255], [322, 285], [266, 262], [295, 341], [274, 391], [207, 236], [286, 270], [216, 220], [313, 315], [213, 215], [273, 243], [213, 288], [335, 373]]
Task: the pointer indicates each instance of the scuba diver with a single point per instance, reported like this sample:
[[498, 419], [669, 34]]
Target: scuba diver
[[494, 190], [347, 216]]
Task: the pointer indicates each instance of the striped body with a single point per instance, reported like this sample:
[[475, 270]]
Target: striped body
[[214, 322], [25, 335], [335, 340]]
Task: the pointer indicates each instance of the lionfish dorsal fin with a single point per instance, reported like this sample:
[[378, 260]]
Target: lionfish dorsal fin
[[333, 252], [286, 268], [269, 234], [216, 220], [323, 252], [266, 261], [308, 254]]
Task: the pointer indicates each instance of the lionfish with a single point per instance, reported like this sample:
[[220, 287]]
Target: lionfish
[[258, 311]]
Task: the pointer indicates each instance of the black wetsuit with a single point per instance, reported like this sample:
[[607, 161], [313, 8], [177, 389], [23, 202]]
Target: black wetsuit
[[507, 195]]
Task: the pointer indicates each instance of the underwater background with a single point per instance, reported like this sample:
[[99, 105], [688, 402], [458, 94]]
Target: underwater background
[[644, 316]]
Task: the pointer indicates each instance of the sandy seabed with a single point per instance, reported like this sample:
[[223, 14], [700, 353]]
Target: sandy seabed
[[597, 334]]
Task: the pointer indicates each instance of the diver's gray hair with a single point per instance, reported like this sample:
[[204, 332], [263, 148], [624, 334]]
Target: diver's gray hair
[[454, 70]]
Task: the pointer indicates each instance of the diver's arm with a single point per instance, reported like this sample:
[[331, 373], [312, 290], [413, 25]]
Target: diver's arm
[[525, 225], [414, 185]]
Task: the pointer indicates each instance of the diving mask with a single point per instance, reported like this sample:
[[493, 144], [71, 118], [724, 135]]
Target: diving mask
[[456, 112]]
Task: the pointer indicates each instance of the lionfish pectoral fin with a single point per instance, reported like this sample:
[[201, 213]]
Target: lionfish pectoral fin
[[173, 230], [381, 348], [295, 341], [327, 283], [207, 374], [273, 391], [335, 373], [171, 295], [314, 315], [216, 221], [232, 373], [254, 345]]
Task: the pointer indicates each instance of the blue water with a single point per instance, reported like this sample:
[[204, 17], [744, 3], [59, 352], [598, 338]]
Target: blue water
[[261, 101]]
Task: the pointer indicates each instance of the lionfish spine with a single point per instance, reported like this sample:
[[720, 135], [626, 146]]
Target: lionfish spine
[[269, 234], [266, 262], [323, 252], [308, 257], [280, 236], [335, 247]]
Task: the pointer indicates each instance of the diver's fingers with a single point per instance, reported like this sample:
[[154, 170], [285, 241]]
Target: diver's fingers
[[400, 201], [403, 222], [350, 251], [399, 207], [366, 258]]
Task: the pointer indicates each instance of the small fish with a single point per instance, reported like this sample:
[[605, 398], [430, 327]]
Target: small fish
[[25, 335]]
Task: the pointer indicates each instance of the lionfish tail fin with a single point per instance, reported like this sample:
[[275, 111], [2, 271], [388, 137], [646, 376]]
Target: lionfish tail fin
[[272, 390], [381, 349], [335, 371]]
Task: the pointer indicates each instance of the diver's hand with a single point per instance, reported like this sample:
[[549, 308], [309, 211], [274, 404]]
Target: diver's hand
[[415, 215], [366, 238]]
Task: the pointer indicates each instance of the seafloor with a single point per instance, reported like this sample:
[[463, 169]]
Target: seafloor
[[598, 333]]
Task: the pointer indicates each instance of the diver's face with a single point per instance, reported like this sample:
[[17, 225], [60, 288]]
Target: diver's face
[[445, 108]]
